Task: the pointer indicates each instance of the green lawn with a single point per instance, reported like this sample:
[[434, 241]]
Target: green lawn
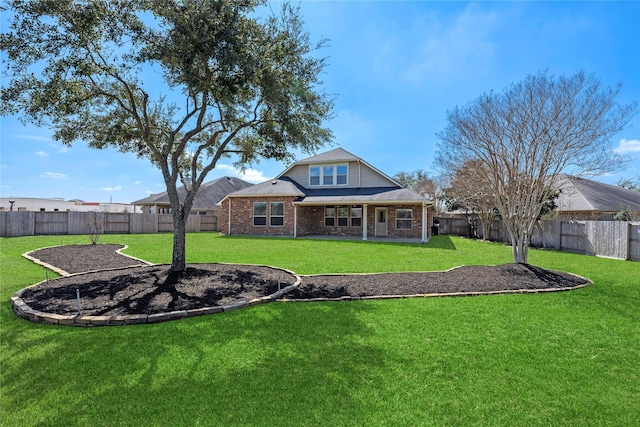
[[568, 358]]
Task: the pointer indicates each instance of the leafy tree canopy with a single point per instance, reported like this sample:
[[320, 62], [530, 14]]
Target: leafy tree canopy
[[183, 83]]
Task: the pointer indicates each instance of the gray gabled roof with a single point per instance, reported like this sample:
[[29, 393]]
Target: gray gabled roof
[[286, 187], [580, 194], [364, 195], [274, 187], [209, 194], [335, 155]]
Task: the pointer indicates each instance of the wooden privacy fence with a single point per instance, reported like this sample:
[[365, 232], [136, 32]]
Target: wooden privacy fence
[[16, 224], [614, 239]]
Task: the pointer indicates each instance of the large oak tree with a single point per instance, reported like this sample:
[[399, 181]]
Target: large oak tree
[[182, 83], [529, 133]]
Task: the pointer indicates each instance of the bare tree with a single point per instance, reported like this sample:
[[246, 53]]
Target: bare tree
[[629, 183], [468, 191], [430, 187], [528, 134], [92, 223]]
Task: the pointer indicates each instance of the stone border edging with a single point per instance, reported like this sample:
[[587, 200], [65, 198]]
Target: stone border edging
[[435, 294], [441, 294], [22, 310]]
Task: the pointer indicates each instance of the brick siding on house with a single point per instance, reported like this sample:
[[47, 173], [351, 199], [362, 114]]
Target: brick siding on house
[[392, 231], [242, 217], [416, 229], [310, 220]]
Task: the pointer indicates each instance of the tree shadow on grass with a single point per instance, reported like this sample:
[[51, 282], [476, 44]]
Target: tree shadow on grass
[[288, 364]]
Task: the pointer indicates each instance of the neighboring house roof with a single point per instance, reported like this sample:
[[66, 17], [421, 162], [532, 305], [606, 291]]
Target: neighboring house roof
[[580, 194], [209, 194]]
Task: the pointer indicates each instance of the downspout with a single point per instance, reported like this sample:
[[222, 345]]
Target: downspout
[[229, 217]]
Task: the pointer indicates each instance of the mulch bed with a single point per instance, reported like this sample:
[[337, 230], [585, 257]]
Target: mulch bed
[[151, 289]]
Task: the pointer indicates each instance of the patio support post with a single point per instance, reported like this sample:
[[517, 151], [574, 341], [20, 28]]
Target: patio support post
[[295, 221], [424, 223], [364, 222]]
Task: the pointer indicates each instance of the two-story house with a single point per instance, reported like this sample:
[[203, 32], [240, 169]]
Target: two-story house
[[332, 194]]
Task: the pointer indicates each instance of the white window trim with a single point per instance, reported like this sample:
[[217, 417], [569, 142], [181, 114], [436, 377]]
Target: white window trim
[[335, 212], [344, 217], [335, 167], [254, 216], [404, 219], [271, 215]]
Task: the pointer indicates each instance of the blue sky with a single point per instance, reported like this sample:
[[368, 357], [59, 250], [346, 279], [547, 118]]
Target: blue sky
[[395, 68]]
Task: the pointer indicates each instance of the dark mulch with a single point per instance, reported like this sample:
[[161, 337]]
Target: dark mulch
[[81, 258], [462, 279], [148, 290]]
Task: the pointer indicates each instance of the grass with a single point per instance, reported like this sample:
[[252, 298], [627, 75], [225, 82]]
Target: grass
[[550, 359]]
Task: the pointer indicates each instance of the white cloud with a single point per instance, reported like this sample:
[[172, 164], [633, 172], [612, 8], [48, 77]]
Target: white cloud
[[448, 47], [137, 183], [60, 148], [116, 188], [32, 137], [251, 175], [442, 47], [53, 175], [628, 146], [42, 153]]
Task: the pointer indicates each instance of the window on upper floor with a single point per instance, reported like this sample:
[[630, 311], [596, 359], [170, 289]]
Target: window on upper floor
[[328, 175]]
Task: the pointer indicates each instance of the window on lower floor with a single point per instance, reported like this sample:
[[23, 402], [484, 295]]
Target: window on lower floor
[[276, 217], [356, 216], [343, 216], [260, 213], [404, 219], [329, 216]]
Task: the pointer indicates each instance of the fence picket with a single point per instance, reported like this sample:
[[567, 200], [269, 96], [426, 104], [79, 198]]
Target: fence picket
[[28, 223], [613, 239]]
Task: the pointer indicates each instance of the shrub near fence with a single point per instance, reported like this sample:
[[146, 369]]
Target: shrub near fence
[[16, 224], [613, 239]]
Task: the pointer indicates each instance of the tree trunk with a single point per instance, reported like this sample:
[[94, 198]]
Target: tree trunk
[[519, 248], [178, 260], [519, 242], [485, 223]]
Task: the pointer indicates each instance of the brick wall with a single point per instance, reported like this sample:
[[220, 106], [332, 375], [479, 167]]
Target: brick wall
[[242, 217], [310, 220]]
